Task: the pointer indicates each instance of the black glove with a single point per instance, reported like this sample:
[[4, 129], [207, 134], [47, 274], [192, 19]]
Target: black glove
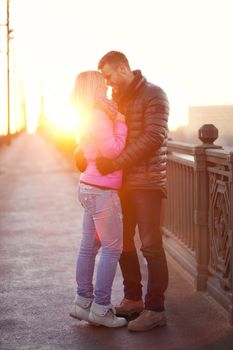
[[80, 160], [105, 165]]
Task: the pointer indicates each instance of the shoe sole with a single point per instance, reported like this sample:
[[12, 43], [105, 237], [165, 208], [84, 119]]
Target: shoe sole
[[108, 326], [128, 313], [81, 319], [159, 324], [129, 317], [76, 317], [103, 325]]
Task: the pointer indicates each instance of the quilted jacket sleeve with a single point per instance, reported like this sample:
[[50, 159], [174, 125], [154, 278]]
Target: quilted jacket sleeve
[[153, 133], [109, 136]]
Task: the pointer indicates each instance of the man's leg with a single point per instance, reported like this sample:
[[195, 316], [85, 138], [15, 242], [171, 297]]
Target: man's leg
[[129, 262], [148, 209], [148, 204]]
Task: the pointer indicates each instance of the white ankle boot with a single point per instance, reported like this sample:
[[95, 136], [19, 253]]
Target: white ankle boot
[[81, 308], [105, 316]]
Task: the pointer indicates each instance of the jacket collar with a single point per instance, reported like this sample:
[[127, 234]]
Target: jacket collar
[[131, 89]]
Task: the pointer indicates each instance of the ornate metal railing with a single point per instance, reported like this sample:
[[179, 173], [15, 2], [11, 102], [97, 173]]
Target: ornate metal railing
[[198, 214], [220, 264]]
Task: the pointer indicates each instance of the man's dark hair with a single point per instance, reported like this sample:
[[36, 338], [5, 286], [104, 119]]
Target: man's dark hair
[[113, 57]]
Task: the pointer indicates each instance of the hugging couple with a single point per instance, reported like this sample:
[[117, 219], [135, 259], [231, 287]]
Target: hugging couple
[[122, 160]]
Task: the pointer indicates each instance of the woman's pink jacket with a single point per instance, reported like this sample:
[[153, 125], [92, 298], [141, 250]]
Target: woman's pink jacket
[[104, 138]]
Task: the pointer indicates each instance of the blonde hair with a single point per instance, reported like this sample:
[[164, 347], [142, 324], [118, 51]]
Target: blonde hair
[[87, 85]]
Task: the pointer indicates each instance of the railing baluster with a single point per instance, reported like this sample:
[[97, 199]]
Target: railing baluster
[[198, 215]]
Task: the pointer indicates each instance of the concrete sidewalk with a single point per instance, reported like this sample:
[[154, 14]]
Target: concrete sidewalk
[[40, 231]]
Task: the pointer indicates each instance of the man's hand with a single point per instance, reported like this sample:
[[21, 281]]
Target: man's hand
[[105, 165], [80, 160]]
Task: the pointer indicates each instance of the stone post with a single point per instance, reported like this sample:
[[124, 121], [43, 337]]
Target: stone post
[[208, 133]]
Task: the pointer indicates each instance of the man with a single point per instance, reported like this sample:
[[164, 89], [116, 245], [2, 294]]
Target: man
[[143, 161]]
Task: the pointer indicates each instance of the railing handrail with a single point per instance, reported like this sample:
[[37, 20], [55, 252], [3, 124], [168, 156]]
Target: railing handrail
[[220, 156], [181, 147]]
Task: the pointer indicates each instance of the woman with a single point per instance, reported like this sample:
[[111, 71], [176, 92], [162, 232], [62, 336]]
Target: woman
[[98, 194]]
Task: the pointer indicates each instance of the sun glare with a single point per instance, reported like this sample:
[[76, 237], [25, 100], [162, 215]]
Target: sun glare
[[179, 105], [52, 42], [65, 118]]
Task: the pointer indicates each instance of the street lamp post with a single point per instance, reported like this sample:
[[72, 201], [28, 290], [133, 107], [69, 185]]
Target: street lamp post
[[8, 76], [8, 37], [9, 31]]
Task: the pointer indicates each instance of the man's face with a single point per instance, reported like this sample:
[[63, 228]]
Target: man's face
[[114, 76]]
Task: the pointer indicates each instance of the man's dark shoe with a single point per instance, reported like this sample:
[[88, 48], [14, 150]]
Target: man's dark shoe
[[129, 307], [147, 320]]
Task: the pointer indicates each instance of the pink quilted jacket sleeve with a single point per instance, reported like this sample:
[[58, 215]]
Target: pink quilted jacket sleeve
[[109, 136]]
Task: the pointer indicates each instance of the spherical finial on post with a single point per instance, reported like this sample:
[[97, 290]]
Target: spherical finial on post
[[208, 133]]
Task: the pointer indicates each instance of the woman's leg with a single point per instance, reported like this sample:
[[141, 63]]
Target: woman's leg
[[90, 245], [108, 224], [102, 226]]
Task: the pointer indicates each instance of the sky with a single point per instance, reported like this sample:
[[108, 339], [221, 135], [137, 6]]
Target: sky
[[184, 46]]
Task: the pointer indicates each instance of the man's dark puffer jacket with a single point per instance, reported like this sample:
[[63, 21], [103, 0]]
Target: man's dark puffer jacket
[[144, 159]]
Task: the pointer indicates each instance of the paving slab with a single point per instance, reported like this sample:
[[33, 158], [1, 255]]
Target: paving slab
[[40, 232]]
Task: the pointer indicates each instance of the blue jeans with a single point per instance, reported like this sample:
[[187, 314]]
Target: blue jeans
[[102, 228], [142, 208]]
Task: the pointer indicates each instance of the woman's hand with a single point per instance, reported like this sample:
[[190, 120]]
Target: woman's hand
[[80, 160], [108, 106], [120, 116]]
